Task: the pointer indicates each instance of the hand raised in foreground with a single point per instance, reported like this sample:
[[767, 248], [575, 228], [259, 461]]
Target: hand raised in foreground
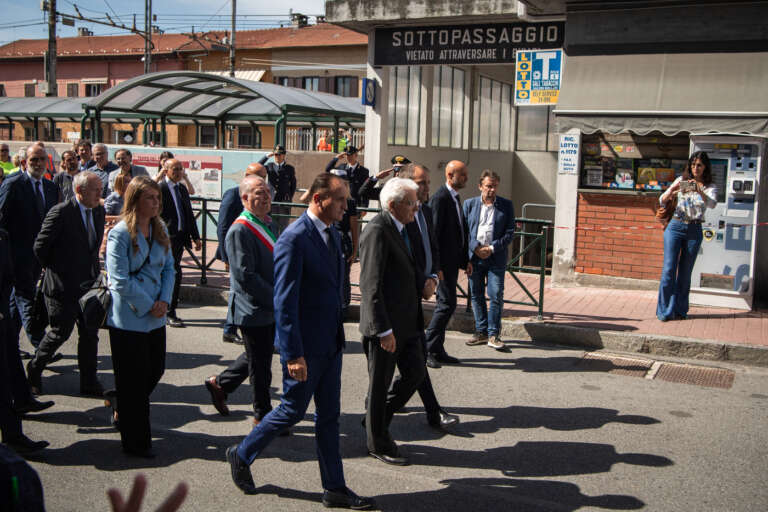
[[171, 504]]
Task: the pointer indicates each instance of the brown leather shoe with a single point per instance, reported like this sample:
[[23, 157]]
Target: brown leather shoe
[[218, 396]]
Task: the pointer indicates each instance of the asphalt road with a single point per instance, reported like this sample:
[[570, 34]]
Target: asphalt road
[[539, 431]]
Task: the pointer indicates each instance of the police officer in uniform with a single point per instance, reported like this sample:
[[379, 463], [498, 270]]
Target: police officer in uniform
[[282, 177], [352, 171]]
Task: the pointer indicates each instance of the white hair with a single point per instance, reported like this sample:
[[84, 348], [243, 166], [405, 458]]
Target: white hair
[[100, 145], [395, 190], [80, 181]]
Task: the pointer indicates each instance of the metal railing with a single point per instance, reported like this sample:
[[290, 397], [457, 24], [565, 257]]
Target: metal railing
[[530, 241]]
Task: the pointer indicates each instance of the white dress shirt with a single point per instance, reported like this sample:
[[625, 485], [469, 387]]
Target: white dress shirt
[[319, 225], [485, 227]]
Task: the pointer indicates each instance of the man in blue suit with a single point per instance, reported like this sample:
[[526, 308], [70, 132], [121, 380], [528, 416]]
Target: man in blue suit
[[25, 198], [491, 222], [309, 272]]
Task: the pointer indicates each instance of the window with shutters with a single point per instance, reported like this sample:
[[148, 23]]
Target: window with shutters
[[73, 90], [29, 90]]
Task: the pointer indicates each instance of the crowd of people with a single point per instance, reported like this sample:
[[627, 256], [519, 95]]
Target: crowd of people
[[289, 289]]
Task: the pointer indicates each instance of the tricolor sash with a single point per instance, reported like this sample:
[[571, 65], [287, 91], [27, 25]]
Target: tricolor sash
[[258, 228]]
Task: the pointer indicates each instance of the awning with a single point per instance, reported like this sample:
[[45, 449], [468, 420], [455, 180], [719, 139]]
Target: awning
[[254, 75], [670, 93], [99, 80]]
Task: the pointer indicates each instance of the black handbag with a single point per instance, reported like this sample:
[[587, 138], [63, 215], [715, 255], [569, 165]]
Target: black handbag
[[95, 303], [38, 318]]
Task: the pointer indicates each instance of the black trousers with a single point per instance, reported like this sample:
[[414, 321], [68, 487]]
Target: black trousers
[[446, 305], [177, 249], [63, 315], [18, 384], [409, 359], [10, 423], [425, 389], [138, 359], [255, 364]]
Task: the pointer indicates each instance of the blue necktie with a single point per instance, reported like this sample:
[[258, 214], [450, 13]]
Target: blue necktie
[[407, 241], [40, 199]]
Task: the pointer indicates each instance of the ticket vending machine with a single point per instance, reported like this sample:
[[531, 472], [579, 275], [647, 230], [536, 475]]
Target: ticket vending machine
[[724, 273]]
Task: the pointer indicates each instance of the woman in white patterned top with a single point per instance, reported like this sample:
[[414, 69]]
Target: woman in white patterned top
[[682, 238]]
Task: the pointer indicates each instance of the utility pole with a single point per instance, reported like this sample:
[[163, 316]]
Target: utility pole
[[232, 42], [148, 36], [50, 58]]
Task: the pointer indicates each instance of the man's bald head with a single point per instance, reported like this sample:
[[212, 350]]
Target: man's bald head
[[456, 174], [256, 169]]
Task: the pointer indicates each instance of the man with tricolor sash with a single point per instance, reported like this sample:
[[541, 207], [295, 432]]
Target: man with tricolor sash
[[249, 244]]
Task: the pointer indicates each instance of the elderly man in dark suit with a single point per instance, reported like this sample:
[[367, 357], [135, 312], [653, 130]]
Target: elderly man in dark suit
[[451, 234], [182, 227], [68, 247], [310, 338], [25, 199], [491, 221], [249, 245], [282, 176], [391, 319], [229, 209]]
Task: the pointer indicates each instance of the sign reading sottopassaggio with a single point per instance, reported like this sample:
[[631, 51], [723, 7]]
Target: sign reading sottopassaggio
[[538, 75], [489, 43]]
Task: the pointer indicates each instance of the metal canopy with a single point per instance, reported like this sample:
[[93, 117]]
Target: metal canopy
[[670, 93], [25, 109], [178, 95]]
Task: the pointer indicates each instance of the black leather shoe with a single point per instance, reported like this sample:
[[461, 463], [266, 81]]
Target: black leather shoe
[[446, 359], [345, 498], [174, 321], [432, 362], [56, 358], [443, 419], [33, 406], [395, 459], [241, 473], [218, 396], [24, 445], [35, 379], [232, 338], [93, 390]]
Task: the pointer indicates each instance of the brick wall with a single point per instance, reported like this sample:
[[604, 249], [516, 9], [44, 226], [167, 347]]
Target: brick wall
[[633, 253]]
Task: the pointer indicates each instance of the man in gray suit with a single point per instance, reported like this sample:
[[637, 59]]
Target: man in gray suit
[[249, 243], [391, 319]]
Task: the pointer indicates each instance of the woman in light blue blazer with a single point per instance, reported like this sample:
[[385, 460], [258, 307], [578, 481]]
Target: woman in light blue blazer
[[140, 268]]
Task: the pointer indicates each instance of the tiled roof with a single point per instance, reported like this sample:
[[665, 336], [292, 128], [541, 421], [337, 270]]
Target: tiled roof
[[323, 34]]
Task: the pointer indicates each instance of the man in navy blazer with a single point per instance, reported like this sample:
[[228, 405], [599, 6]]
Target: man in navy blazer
[[25, 198], [309, 271], [491, 221]]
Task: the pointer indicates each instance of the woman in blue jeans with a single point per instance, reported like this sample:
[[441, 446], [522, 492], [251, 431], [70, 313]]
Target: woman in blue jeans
[[682, 238]]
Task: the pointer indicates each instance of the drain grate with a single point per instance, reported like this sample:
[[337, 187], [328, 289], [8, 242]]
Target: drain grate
[[615, 365], [696, 375]]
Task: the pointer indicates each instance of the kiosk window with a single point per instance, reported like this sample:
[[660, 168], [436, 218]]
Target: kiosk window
[[404, 105]]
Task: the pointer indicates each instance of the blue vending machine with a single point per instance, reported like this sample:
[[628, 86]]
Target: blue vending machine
[[724, 274]]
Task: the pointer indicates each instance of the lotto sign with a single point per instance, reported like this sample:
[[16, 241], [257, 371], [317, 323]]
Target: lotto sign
[[537, 76]]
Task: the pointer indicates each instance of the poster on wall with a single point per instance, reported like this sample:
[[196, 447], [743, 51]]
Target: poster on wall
[[570, 154], [538, 75], [203, 171]]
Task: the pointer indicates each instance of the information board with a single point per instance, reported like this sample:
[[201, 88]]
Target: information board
[[538, 75]]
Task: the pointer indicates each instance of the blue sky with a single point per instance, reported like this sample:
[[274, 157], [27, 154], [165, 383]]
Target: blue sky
[[172, 15]]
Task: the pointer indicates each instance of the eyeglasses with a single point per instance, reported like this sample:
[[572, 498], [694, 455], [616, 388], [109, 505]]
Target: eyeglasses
[[409, 203]]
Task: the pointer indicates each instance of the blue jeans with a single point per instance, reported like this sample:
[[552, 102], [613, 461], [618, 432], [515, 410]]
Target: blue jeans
[[681, 246], [487, 319]]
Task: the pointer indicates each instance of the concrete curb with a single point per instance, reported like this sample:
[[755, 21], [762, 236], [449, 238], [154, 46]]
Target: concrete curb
[[552, 333]]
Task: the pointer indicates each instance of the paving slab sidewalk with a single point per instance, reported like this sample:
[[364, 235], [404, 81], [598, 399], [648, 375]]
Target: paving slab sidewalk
[[615, 319]]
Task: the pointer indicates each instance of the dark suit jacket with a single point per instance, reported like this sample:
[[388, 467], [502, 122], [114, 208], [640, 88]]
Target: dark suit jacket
[[251, 278], [20, 218], [62, 248], [368, 190], [230, 208], [390, 288], [503, 228], [448, 231], [284, 180], [171, 218], [419, 256], [356, 179], [308, 292]]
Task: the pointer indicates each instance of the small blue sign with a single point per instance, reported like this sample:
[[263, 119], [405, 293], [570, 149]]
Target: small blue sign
[[369, 92]]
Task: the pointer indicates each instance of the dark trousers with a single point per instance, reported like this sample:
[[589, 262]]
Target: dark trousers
[[425, 389], [409, 359], [256, 364], [138, 359], [177, 249], [446, 305], [10, 423], [63, 314], [324, 384], [19, 386]]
